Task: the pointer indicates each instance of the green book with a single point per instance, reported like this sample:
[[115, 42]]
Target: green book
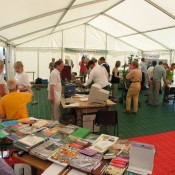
[[81, 132], [3, 134], [1, 126]]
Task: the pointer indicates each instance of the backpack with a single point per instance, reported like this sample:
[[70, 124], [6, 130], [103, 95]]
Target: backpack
[[38, 81]]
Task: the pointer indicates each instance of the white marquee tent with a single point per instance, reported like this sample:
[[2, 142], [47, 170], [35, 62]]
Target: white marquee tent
[[34, 31]]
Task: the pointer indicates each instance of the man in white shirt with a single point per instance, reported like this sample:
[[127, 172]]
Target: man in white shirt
[[149, 78], [144, 70], [54, 88], [102, 62], [97, 75]]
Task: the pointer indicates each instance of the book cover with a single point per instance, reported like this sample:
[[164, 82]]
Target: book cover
[[81, 132], [53, 123], [113, 170], [28, 142], [111, 153], [16, 126], [84, 162], [44, 150], [68, 129], [10, 129], [78, 140], [16, 136], [9, 122], [91, 137], [123, 144], [30, 129], [48, 132], [29, 120], [87, 151], [1, 126], [3, 134], [103, 143], [63, 155], [57, 137], [40, 123]]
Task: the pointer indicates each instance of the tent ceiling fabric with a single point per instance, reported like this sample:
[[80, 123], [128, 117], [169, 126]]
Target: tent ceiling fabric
[[144, 25]]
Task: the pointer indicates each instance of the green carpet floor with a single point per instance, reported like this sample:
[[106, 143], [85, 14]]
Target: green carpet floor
[[148, 120]]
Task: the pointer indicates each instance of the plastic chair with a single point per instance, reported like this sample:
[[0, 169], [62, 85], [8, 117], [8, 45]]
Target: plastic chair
[[107, 118]]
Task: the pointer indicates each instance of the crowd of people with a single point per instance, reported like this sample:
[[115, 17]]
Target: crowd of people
[[17, 92], [140, 76], [92, 71]]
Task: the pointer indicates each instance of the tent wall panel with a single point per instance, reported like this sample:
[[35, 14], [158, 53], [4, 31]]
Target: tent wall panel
[[95, 39], [74, 37], [45, 57], [29, 59]]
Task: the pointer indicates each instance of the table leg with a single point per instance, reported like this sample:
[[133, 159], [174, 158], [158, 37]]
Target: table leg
[[34, 170]]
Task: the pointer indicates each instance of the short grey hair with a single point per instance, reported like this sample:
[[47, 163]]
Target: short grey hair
[[12, 84]]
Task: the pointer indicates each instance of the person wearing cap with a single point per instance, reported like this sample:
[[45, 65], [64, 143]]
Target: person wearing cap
[[135, 76], [98, 75]]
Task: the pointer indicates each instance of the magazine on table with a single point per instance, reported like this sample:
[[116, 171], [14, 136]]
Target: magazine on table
[[40, 123], [68, 129], [103, 143], [85, 163], [63, 155], [30, 129], [44, 150]]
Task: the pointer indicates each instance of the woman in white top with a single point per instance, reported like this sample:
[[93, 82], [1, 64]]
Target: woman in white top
[[21, 77], [3, 84]]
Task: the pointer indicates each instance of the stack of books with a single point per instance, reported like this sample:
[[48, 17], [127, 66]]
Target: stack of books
[[118, 147], [28, 142], [117, 166]]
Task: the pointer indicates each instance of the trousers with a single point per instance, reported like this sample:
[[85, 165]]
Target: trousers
[[56, 110], [154, 93], [114, 89], [133, 92]]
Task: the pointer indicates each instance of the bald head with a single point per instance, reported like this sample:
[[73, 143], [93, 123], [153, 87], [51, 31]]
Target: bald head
[[12, 85]]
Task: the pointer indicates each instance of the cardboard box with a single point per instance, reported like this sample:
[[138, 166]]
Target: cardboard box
[[88, 122]]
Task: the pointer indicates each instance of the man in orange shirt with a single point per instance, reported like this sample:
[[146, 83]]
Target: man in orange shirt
[[13, 105]]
